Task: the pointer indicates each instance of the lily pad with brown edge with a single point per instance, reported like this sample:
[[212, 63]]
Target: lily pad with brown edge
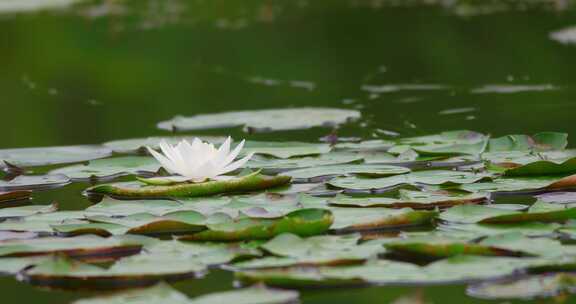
[[33, 157], [91, 248], [34, 182], [490, 215], [110, 168], [14, 196], [429, 177], [543, 168], [544, 141], [530, 229], [457, 269], [251, 182], [164, 293], [264, 120], [376, 145], [526, 287], [139, 145], [339, 170], [356, 219], [292, 250], [112, 207], [411, 199], [520, 185], [177, 222], [303, 222], [136, 271]]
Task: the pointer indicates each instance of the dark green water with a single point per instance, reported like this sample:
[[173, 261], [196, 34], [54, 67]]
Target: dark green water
[[67, 78]]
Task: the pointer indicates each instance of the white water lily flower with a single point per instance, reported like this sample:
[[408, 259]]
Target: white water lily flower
[[199, 161]]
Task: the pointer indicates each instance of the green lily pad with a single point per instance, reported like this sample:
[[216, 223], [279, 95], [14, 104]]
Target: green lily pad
[[411, 199], [20, 6], [251, 182], [285, 149], [81, 247], [110, 168], [352, 219], [335, 170], [264, 120], [528, 288], [138, 145], [34, 182], [377, 145], [292, 250], [304, 222], [29, 157], [112, 207], [543, 168], [163, 293], [523, 184], [490, 215], [274, 164], [545, 141], [446, 143], [26, 210], [531, 229], [429, 177], [13, 266], [14, 196]]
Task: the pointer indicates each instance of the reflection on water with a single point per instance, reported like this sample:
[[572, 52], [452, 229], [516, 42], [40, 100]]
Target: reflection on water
[[112, 69]]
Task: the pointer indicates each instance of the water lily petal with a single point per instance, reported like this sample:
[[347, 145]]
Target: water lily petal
[[164, 161], [223, 151], [237, 164], [232, 156]]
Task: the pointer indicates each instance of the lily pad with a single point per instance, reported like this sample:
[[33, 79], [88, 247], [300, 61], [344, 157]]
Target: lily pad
[[429, 177], [304, 222], [543, 168], [274, 164], [411, 199], [489, 215], [285, 149], [446, 143], [523, 184], [163, 293], [528, 288], [545, 141], [30, 157], [14, 196], [336, 170], [264, 120], [251, 182], [34, 182], [26, 210], [292, 250], [353, 219], [138, 145], [110, 168], [19, 6]]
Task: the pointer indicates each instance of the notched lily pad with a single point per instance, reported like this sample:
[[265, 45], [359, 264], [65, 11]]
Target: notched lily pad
[[264, 120], [446, 143], [545, 141], [26, 210], [251, 182], [411, 199]]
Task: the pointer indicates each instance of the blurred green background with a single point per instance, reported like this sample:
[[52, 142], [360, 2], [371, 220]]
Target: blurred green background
[[105, 70]]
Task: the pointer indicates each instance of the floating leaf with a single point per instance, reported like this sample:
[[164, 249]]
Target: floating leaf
[[28, 157], [523, 184], [14, 196], [446, 143], [139, 144], [285, 149], [346, 219], [163, 293], [543, 168], [489, 215], [292, 250], [264, 120], [335, 170], [251, 182], [430, 177], [304, 222], [15, 265], [532, 229], [545, 141], [26, 210], [274, 164], [110, 168], [34, 182], [411, 199], [528, 288]]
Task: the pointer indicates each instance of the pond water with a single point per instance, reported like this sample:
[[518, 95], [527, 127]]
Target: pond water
[[111, 70]]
